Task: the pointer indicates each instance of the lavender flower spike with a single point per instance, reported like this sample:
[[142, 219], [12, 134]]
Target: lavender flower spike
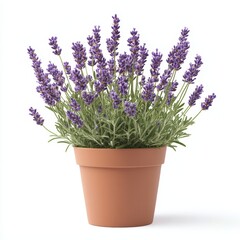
[[79, 54], [143, 54], [179, 52], [36, 64], [74, 105], [208, 102], [148, 91], [53, 43], [164, 79], [192, 72], [125, 63], [116, 100], [195, 95], [155, 66], [56, 74], [75, 119], [123, 85], [79, 80], [36, 116], [133, 43], [96, 34], [88, 97], [130, 108], [112, 43], [67, 67]]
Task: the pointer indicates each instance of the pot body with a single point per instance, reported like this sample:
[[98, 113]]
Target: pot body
[[120, 185]]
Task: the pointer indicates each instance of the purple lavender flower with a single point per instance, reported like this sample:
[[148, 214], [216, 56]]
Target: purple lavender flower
[[125, 63], [148, 91], [133, 43], [98, 86], [173, 87], [96, 34], [67, 67], [139, 65], [56, 74], [192, 72], [79, 54], [36, 116], [88, 97], [170, 97], [195, 95], [92, 44], [112, 43], [50, 93], [164, 79], [130, 108], [116, 100], [179, 52], [111, 66], [104, 77], [143, 80], [75, 105], [75, 119], [96, 55], [184, 35], [123, 85], [53, 43], [155, 65], [36, 64], [208, 102], [79, 80]]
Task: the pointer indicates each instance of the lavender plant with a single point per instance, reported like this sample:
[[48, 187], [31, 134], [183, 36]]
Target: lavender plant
[[112, 102]]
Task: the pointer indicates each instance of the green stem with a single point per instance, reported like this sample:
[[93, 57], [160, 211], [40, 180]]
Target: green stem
[[115, 70], [167, 89], [136, 87], [183, 93], [180, 92], [132, 91], [173, 76], [50, 131], [65, 72], [186, 110], [197, 115]]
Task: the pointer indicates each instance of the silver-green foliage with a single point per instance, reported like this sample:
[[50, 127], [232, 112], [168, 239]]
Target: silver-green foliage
[[155, 124]]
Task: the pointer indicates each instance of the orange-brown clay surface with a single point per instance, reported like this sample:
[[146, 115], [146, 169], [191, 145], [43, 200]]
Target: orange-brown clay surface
[[120, 185]]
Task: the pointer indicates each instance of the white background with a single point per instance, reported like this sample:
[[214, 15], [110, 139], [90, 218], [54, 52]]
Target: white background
[[40, 188]]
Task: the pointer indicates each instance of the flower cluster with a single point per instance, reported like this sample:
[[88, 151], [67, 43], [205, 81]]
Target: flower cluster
[[130, 108], [75, 119], [195, 95], [208, 102], [53, 43], [112, 43], [36, 116], [110, 101], [49, 91], [193, 70], [75, 105], [115, 98], [79, 54], [179, 52]]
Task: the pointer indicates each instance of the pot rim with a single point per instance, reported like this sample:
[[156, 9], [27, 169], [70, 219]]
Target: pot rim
[[120, 158]]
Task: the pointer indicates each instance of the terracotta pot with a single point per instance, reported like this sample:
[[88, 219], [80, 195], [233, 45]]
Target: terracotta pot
[[120, 185]]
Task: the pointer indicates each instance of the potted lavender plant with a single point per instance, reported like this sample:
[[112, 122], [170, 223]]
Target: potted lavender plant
[[119, 118]]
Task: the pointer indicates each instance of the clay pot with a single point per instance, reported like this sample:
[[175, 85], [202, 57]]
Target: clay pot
[[120, 185]]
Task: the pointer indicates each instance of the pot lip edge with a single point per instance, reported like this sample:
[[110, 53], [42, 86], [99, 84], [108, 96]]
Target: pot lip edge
[[158, 159], [119, 149]]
